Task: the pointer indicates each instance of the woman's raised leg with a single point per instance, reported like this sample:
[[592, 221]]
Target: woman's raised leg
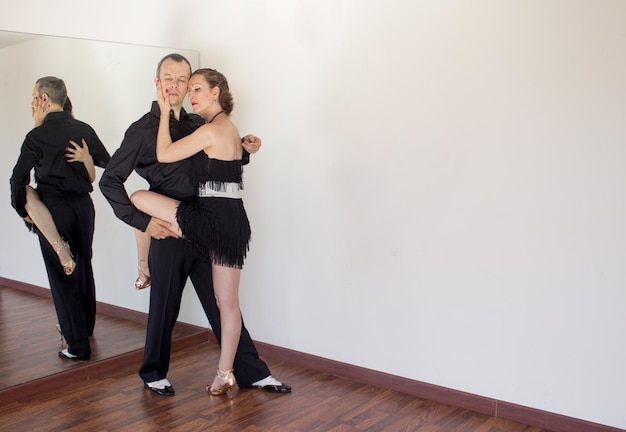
[[143, 249], [157, 205], [41, 217]]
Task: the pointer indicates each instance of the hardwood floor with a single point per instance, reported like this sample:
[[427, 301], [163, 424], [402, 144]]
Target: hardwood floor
[[105, 394], [28, 326]]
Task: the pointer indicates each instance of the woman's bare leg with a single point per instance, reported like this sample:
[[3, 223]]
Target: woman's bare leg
[[158, 206], [143, 249], [41, 217], [226, 286]]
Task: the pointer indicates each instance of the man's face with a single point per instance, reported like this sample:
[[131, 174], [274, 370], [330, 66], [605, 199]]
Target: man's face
[[174, 78]]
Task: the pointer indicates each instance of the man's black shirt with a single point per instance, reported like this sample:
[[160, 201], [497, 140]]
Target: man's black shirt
[[44, 149]]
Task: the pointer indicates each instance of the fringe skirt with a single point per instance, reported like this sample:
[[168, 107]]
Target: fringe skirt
[[216, 226]]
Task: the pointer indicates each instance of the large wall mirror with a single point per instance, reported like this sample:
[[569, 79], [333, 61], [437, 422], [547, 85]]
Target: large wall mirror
[[111, 86]]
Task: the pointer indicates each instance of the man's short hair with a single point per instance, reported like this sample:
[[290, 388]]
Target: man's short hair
[[177, 58], [54, 87]]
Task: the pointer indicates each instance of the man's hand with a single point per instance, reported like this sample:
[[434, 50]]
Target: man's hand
[[251, 143], [160, 229]]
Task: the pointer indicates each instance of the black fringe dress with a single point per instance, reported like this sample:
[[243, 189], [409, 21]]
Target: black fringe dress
[[215, 222]]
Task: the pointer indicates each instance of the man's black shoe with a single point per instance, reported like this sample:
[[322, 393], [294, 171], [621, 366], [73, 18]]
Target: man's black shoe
[[283, 388], [66, 355], [165, 391]]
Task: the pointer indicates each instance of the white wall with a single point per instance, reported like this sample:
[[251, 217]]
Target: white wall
[[439, 194]]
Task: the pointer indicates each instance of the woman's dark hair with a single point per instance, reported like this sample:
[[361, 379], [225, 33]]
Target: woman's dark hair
[[215, 78], [68, 106]]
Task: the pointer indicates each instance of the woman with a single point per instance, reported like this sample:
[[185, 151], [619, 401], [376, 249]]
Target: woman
[[216, 221]]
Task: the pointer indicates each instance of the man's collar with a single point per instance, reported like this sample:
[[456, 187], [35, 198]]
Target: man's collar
[[156, 111], [56, 115]]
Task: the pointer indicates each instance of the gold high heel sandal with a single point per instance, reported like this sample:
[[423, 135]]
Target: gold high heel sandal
[[141, 284], [69, 266], [227, 381], [58, 327]]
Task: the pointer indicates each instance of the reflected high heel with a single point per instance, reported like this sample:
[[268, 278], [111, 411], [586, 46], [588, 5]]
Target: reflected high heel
[[145, 283], [69, 266], [223, 383], [58, 327]]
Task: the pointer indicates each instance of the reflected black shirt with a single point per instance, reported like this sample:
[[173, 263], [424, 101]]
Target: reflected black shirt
[[138, 152], [44, 150]]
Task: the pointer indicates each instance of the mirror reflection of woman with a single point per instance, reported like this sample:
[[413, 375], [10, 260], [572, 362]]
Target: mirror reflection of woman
[[215, 222]]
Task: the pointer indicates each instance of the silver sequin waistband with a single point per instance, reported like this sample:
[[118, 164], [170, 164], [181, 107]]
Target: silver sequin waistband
[[229, 190]]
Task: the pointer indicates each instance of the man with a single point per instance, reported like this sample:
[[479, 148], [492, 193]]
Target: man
[[64, 187], [172, 259]]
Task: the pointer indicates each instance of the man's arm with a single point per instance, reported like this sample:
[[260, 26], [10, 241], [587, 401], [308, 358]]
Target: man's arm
[[21, 177], [99, 153], [119, 167]]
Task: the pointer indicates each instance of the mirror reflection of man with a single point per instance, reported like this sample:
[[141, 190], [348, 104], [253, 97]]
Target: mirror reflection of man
[[64, 188], [172, 261]]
